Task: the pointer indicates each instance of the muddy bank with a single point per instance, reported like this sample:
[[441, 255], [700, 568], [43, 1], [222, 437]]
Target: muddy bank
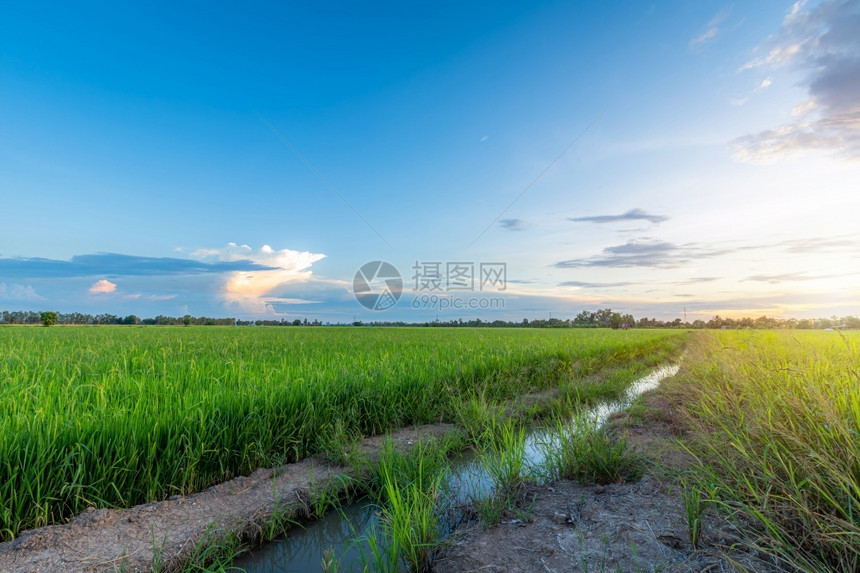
[[618, 527], [168, 532], [637, 526]]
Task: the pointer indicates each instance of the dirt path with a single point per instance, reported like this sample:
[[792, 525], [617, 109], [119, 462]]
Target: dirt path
[[126, 539], [618, 527]]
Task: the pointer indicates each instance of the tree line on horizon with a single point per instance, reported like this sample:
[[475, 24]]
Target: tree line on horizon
[[603, 318]]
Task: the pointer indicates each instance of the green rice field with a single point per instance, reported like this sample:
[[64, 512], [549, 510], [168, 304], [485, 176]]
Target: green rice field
[[117, 416]]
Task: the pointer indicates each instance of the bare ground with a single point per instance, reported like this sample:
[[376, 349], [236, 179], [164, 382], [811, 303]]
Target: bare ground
[[170, 531], [618, 527]]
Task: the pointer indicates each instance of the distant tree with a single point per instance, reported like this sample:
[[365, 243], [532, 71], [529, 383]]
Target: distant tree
[[131, 319], [48, 318], [186, 320], [584, 317], [603, 317]]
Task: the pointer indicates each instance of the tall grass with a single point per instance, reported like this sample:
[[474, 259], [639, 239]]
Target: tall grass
[[115, 416], [503, 457], [426, 458], [408, 489], [775, 425], [580, 448]]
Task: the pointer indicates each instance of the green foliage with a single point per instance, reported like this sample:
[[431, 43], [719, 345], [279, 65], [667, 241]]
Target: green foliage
[[478, 418], [213, 553], [409, 526], [48, 318], [503, 457], [115, 416], [693, 510], [425, 459], [330, 562], [774, 420], [339, 443], [580, 449]]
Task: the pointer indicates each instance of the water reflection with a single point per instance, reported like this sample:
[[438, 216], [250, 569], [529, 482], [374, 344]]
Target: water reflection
[[304, 548]]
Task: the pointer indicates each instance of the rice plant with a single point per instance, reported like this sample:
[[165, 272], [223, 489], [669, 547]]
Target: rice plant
[[503, 458], [693, 506], [117, 416], [579, 448], [409, 528]]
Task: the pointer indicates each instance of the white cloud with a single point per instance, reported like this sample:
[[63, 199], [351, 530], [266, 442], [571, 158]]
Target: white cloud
[[823, 45], [795, 11], [247, 290], [705, 36], [712, 29], [149, 297], [765, 83], [485, 138], [776, 58], [804, 108], [160, 297], [18, 292], [102, 286]]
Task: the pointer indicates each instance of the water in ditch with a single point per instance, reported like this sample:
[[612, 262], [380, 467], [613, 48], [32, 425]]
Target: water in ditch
[[304, 548]]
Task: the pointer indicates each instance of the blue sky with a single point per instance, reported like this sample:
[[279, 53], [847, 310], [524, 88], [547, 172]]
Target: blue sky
[[149, 156]]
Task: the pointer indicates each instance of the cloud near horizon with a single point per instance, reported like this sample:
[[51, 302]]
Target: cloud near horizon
[[245, 280], [632, 254], [114, 264], [823, 44], [631, 215], [254, 291], [582, 284], [19, 293], [790, 277], [102, 286], [666, 255]]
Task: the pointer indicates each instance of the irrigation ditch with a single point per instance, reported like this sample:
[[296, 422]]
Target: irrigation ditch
[[344, 536], [167, 535], [261, 510]]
